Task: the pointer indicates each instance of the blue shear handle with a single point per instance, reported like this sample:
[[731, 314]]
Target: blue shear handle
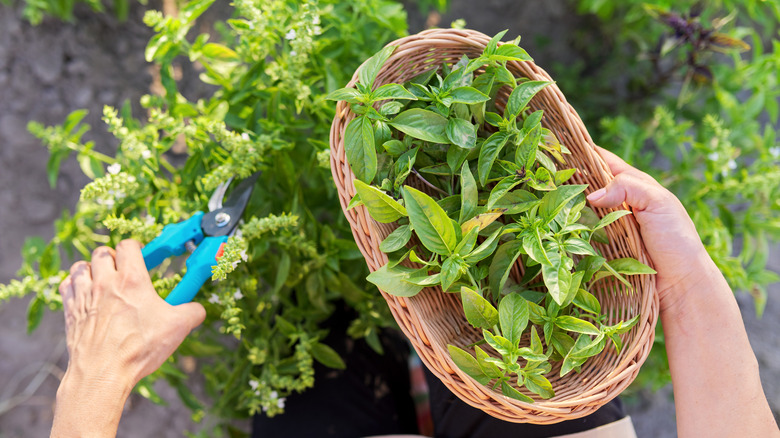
[[199, 266], [173, 240]]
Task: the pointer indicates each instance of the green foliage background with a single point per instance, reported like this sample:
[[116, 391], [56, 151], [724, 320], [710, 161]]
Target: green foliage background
[[713, 143]]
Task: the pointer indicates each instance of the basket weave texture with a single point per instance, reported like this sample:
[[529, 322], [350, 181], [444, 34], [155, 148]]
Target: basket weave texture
[[432, 319]]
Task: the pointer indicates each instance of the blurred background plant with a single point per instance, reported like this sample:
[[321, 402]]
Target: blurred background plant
[[687, 91], [36, 10]]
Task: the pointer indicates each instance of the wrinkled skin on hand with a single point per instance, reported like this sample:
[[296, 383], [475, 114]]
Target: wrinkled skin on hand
[[117, 327]]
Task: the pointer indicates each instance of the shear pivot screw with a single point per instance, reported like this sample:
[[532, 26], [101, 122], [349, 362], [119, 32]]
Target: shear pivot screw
[[222, 219]]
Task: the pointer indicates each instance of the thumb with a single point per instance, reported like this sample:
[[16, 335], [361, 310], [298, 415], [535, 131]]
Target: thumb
[[639, 193], [189, 315]]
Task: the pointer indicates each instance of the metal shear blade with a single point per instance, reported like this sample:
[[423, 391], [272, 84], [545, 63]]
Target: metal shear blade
[[206, 233]]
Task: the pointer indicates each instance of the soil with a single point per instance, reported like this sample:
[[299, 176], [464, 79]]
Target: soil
[[52, 69]]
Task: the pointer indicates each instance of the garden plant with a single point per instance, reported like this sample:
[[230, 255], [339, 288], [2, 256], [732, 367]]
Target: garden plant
[[696, 105]]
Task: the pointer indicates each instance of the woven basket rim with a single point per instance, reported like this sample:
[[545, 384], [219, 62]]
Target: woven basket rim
[[574, 401]]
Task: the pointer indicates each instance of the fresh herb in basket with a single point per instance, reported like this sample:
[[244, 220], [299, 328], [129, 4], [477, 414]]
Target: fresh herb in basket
[[475, 183]]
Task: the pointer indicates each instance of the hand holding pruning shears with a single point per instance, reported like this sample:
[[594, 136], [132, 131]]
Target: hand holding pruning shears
[[118, 328], [204, 235]]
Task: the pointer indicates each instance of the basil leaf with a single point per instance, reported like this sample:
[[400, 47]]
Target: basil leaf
[[542, 180], [553, 202], [499, 343], [525, 154], [450, 272], [511, 52], [442, 169], [521, 96], [394, 147], [456, 156], [468, 95], [430, 222], [392, 91], [572, 324], [488, 154], [450, 204], [381, 207], [390, 108], [493, 43], [501, 189], [467, 364], [370, 69], [587, 302], [327, 356], [582, 350], [533, 246], [629, 266], [35, 312], [623, 326], [481, 221], [575, 245], [461, 133], [539, 384], [527, 354], [468, 241], [458, 77], [513, 317], [493, 119], [517, 201], [574, 286], [589, 218], [562, 343], [392, 281], [484, 250], [533, 120], [397, 239], [557, 277], [360, 149], [403, 167], [536, 342], [502, 263], [488, 368], [504, 75], [394, 258], [479, 312], [546, 162], [564, 175], [347, 94], [617, 341], [590, 265], [354, 202], [610, 217], [423, 124], [430, 280], [469, 196], [609, 271], [509, 391]]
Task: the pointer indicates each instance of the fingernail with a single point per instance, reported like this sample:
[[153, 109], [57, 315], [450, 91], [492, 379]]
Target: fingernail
[[598, 194]]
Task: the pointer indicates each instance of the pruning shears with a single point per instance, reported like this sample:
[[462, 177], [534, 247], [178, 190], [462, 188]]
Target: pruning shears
[[204, 235]]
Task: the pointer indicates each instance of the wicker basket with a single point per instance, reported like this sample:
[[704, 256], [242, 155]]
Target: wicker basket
[[433, 319]]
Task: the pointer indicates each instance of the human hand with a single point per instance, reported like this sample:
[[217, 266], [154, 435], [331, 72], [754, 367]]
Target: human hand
[[701, 318], [668, 233], [118, 328]]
